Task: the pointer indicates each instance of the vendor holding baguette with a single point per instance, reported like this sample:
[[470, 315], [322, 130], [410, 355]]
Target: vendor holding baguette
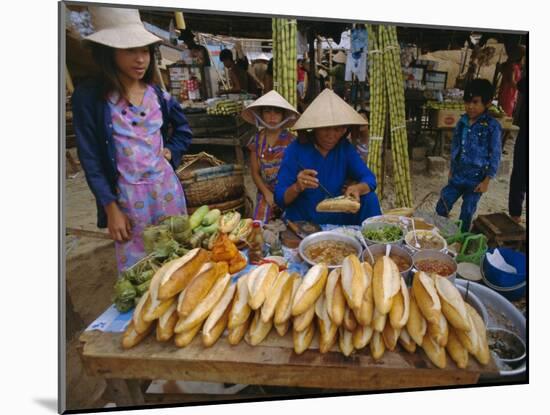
[[323, 157]]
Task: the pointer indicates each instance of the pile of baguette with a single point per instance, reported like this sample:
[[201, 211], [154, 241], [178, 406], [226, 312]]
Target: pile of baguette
[[353, 307]]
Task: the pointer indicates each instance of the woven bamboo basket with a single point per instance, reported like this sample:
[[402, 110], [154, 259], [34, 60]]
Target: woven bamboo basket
[[207, 180]]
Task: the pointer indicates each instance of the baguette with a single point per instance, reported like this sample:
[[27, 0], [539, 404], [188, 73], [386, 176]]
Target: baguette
[[283, 311], [259, 282], [241, 310], [199, 287], [416, 324], [166, 324], [350, 322], [379, 321], [400, 309], [354, 281], [203, 309], [362, 336], [469, 339], [390, 336], [385, 283], [435, 352], [211, 336], [365, 313], [302, 339], [452, 304], [258, 330], [426, 297], [345, 341], [377, 346], [179, 272], [456, 350], [185, 337], [482, 353], [406, 341], [220, 308], [303, 321], [439, 332], [131, 337], [310, 289], [140, 325], [327, 329], [282, 328], [236, 334], [335, 300], [273, 296], [343, 204], [155, 308]]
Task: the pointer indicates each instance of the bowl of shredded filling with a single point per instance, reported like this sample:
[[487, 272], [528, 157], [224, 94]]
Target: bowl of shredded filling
[[328, 247]]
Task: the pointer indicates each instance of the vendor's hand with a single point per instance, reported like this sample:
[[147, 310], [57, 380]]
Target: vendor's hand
[[353, 191], [118, 223], [269, 198], [307, 179], [483, 186], [167, 154]]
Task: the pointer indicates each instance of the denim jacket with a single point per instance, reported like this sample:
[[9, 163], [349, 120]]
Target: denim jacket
[[476, 146], [96, 146]]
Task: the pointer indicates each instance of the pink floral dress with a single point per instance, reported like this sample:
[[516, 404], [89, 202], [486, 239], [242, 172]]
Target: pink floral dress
[[148, 189]]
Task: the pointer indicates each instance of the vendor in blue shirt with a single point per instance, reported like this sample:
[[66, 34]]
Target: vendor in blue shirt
[[324, 156]]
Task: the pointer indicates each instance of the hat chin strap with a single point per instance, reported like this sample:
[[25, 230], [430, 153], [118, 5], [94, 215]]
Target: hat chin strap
[[261, 123]]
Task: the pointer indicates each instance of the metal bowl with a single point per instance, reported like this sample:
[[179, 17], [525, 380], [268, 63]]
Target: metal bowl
[[475, 302], [397, 250], [436, 255], [378, 225], [509, 338], [328, 236], [409, 240]]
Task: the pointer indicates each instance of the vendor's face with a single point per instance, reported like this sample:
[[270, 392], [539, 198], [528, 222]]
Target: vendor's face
[[132, 63], [475, 107], [328, 137], [272, 116]]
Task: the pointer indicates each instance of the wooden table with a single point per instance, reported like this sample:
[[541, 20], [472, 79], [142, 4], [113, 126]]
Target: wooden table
[[272, 363]]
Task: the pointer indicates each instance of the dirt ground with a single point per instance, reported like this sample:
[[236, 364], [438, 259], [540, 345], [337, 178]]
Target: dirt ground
[[91, 267]]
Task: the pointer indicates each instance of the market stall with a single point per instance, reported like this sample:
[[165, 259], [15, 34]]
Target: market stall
[[275, 320]]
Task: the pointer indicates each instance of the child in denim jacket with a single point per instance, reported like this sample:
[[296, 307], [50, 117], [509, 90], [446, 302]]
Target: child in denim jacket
[[475, 153]]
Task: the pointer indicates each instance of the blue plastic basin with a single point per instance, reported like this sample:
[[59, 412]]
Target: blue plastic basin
[[505, 279]]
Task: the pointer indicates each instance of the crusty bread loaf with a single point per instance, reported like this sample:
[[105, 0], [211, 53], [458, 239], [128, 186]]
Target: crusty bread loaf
[[236, 334], [131, 337], [426, 297], [199, 287], [302, 339], [456, 350], [435, 352], [240, 311], [416, 324], [283, 311], [439, 332], [390, 336], [166, 324], [258, 330], [310, 289], [377, 346], [400, 309], [259, 282], [452, 304], [385, 283], [336, 302], [282, 282], [179, 272], [354, 281], [345, 341], [343, 204], [406, 341], [362, 336]]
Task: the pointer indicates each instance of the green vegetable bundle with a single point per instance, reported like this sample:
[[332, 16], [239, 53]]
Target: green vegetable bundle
[[284, 58], [384, 234]]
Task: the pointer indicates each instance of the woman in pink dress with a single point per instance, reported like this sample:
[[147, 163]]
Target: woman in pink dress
[[511, 74]]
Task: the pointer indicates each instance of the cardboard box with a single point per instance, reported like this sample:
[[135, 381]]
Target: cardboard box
[[446, 118]]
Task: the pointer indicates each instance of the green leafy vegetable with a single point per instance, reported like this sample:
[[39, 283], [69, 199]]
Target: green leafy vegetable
[[384, 234]]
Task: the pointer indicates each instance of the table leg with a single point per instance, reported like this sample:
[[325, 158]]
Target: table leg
[[125, 392]]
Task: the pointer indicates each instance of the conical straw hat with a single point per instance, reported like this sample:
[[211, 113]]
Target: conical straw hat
[[271, 99], [328, 110], [119, 28], [340, 57]]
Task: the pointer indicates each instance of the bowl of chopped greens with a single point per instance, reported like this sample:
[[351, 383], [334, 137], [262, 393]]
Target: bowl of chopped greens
[[382, 233]]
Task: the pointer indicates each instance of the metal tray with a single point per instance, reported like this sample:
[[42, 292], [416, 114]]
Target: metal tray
[[501, 313]]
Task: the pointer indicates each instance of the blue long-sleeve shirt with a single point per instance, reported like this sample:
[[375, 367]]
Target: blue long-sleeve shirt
[[476, 146], [341, 163], [96, 147]]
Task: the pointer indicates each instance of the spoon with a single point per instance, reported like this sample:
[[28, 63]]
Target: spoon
[[388, 249], [362, 239], [416, 244]]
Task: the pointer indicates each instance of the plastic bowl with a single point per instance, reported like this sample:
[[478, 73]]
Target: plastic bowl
[[380, 249], [505, 279], [510, 293]]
